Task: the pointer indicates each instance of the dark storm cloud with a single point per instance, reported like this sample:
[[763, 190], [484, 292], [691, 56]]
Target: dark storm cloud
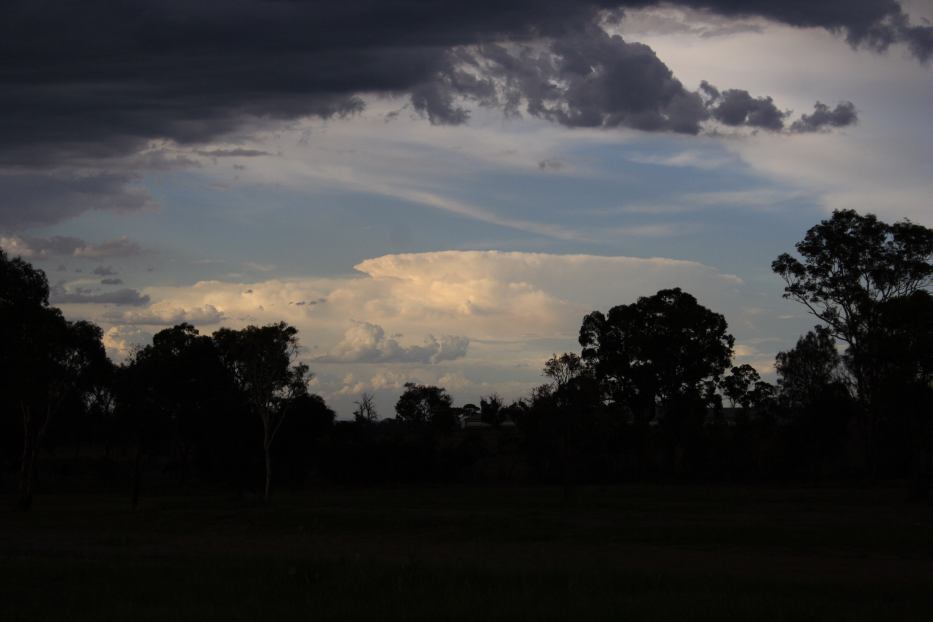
[[87, 82], [123, 297], [588, 78], [875, 24], [823, 117], [104, 271], [38, 197], [736, 107], [116, 74], [233, 153], [111, 281]]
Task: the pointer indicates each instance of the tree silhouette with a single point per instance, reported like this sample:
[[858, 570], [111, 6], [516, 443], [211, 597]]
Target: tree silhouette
[[426, 406], [45, 359], [739, 385], [365, 411], [901, 357], [815, 396], [172, 386], [809, 369], [851, 266], [662, 353], [492, 410], [260, 361]]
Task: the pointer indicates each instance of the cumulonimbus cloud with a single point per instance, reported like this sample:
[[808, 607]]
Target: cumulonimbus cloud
[[364, 342], [495, 313], [476, 295], [166, 315]]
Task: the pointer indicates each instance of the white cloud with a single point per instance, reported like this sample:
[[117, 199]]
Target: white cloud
[[122, 341], [166, 314], [880, 165], [367, 343], [512, 309], [16, 246]]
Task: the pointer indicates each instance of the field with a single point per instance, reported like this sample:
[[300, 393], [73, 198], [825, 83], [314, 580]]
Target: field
[[620, 553]]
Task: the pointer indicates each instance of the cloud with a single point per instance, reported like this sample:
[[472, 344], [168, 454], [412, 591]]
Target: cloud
[[122, 341], [753, 199], [367, 343], [129, 297], [485, 320], [38, 197], [16, 246], [116, 80], [104, 96], [111, 281], [238, 152], [104, 271], [162, 314], [121, 247], [479, 295], [873, 24], [823, 118], [550, 164], [31, 247], [736, 107]]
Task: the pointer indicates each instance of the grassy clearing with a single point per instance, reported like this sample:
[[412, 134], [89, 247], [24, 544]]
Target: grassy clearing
[[658, 553]]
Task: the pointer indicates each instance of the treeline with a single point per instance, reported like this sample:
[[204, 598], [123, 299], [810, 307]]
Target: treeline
[[652, 394]]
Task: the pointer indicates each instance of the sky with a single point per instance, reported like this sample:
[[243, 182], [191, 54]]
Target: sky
[[438, 192]]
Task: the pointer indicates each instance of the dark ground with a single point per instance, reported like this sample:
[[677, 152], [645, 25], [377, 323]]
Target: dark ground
[[626, 553]]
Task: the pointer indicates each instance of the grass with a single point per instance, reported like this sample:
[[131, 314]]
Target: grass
[[638, 553]]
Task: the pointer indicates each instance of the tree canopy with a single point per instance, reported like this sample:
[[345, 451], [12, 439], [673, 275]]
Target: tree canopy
[[659, 348]]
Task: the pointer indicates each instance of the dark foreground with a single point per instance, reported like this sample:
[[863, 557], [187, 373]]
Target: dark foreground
[[658, 553]]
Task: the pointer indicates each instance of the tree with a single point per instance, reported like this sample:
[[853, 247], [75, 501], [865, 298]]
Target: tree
[[739, 385], [815, 397], [492, 410], [169, 389], [426, 406], [45, 359], [744, 387], [309, 420], [901, 358], [850, 265], [564, 369], [365, 411], [260, 360], [664, 352], [656, 350], [809, 369]]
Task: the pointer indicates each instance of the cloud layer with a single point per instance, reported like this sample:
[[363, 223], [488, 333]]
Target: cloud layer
[[31, 247], [98, 88], [367, 343], [478, 321], [115, 79]]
